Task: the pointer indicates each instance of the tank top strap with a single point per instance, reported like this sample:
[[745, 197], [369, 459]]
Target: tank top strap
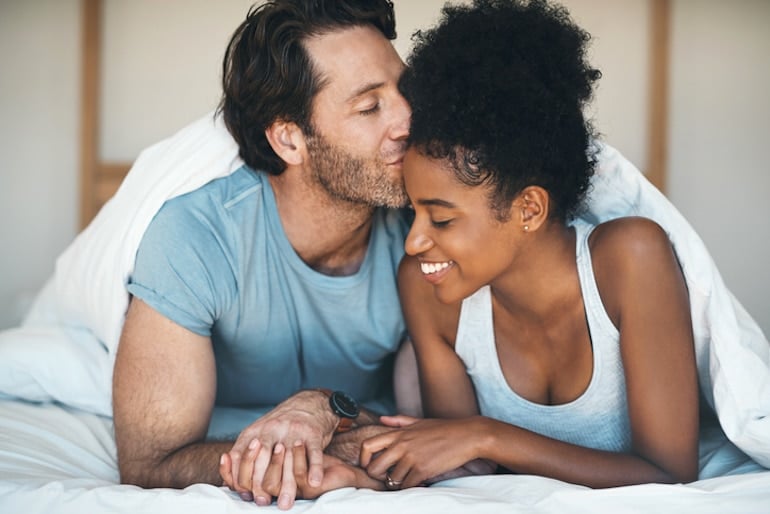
[[475, 340], [598, 319]]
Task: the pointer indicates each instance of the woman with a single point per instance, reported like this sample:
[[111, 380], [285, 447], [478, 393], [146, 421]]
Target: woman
[[546, 346]]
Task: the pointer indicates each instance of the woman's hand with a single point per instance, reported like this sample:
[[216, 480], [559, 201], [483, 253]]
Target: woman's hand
[[421, 449]]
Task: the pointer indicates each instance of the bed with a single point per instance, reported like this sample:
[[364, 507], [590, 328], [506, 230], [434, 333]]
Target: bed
[[57, 452], [57, 459]]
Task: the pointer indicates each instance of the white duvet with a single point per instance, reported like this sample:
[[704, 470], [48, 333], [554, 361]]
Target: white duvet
[[55, 459], [65, 348]]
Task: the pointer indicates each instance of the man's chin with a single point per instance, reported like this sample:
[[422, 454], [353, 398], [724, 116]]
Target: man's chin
[[397, 197], [395, 203]]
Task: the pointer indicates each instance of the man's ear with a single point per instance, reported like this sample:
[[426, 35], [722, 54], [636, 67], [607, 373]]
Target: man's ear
[[532, 207], [287, 141]]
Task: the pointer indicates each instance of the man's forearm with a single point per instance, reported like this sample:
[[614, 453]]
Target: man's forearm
[[193, 464], [347, 446]]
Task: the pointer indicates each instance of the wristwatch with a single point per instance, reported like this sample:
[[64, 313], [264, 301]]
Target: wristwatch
[[343, 406]]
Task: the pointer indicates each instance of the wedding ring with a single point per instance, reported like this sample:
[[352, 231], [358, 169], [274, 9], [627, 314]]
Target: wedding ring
[[391, 484]]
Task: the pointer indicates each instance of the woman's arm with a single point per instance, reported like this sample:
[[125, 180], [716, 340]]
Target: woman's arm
[[645, 295], [445, 388]]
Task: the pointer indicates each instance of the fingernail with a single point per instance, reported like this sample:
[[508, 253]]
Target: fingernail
[[253, 444], [222, 460], [284, 502], [278, 448], [247, 497], [262, 501], [314, 480]]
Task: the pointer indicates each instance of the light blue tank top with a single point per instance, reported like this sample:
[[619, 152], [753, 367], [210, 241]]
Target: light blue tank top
[[597, 419], [218, 262]]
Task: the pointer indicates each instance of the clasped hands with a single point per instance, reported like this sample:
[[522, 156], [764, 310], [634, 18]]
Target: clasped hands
[[281, 455]]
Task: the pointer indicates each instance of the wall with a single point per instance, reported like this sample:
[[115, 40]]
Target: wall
[[162, 67], [720, 138], [157, 75], [39, 116]]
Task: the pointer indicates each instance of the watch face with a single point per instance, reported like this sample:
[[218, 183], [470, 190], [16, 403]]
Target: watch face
[[344, 405]]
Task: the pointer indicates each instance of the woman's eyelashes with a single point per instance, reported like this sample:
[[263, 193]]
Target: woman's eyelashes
[[440, 223]]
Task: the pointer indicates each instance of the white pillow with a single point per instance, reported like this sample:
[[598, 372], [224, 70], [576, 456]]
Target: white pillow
[[45, 364]]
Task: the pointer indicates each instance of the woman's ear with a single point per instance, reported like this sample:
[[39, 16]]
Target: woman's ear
[[287, 141], [532, 207]]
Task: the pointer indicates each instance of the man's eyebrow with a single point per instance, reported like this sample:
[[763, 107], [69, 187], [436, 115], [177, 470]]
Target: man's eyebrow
[[436, 201], [365, 89]]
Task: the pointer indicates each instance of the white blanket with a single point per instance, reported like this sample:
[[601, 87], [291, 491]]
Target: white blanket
[[65, 349], [73, 328], [57, 460]]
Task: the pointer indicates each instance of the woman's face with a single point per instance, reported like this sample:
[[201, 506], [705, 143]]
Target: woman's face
[[456, 237]]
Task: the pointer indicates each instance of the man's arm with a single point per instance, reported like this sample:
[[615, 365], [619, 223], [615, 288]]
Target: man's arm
[[164, 387], [347, 445]]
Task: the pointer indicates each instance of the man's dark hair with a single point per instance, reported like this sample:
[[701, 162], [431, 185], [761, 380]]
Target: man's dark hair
[[267, 74], [498, 89]]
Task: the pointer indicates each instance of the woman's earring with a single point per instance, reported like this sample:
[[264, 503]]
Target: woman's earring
[[526, 228]]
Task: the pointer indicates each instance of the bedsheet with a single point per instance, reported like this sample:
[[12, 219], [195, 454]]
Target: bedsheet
[[55, 459]]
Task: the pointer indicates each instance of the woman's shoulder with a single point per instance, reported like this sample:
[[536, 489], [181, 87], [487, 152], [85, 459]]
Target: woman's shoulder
[[625, 254], [628, 238]]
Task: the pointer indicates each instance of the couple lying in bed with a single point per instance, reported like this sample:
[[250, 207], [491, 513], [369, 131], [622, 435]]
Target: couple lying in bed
[[545, 344]]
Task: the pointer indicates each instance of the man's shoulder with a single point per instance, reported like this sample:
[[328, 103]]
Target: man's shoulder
[[215, 212], [214, 199], [226, 191]]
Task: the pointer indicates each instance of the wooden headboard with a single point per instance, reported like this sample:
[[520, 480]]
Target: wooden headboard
[[100, 179]]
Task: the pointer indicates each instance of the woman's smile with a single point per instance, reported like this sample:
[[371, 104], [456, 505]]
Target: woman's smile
[[433, 272]]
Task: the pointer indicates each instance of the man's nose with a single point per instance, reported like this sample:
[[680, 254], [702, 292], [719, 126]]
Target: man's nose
[[402, 119]]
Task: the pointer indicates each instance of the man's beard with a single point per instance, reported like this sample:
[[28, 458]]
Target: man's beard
[[353, 179]]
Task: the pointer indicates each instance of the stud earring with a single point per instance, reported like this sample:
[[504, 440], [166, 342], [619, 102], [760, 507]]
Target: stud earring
[[526, 228]]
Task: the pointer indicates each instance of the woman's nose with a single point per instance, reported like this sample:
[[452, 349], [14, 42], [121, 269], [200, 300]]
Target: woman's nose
[[416, 241]]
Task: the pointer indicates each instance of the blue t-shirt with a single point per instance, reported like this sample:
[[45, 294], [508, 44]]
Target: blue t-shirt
[[217, 262]]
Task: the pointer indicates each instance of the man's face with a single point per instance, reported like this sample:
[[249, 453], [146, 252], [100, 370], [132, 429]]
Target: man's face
[[360, 119]]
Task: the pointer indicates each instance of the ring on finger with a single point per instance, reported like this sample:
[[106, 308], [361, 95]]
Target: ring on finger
[[392, 485]]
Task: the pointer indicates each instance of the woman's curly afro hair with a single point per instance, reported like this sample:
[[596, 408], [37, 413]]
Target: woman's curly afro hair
[[498, 89]]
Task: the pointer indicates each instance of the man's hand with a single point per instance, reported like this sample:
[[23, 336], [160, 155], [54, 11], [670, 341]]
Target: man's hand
[[337, 474], [293, 478], [263, 454]]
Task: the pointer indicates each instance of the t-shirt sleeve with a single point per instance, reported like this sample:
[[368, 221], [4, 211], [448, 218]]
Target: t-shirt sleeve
[[183, 267]]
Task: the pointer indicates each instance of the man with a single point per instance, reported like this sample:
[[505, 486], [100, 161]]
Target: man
[[280, 277]]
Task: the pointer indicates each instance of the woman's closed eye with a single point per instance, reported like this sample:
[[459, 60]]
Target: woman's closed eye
[[441, 223]]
